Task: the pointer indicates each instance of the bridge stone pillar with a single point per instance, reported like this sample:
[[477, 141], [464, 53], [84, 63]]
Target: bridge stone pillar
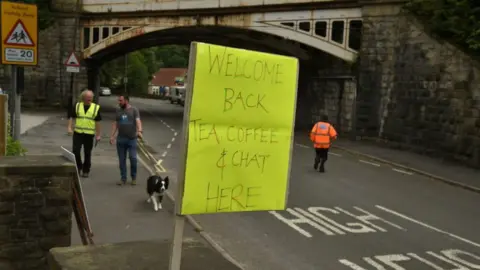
[[326, 86], [93, 71]]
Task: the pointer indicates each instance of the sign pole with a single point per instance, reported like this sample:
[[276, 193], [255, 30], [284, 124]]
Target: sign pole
[[19, 42], [17, 103], [3, 124], [179, 220], [70, 94]]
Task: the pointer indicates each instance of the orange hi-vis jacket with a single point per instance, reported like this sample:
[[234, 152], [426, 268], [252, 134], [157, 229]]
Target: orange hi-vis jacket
[[322, 134]]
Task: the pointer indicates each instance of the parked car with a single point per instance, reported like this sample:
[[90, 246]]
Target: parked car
[[177, 95], [105, 91]]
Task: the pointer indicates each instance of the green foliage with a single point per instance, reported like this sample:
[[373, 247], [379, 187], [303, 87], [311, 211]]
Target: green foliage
[[454, 20], [14, 148], [45, 17], [137, 73], [141, 65]]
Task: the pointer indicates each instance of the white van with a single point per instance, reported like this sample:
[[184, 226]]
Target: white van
[[177, 94]]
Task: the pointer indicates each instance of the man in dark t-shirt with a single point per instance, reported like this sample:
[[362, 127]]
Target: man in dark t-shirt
[[129, 127]]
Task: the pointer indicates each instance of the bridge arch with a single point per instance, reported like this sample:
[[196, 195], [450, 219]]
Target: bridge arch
[[336, 32]]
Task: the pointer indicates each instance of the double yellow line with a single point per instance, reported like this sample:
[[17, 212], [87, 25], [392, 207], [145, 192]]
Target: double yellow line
[[157, 164]]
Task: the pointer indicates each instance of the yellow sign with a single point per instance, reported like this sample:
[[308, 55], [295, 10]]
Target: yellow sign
[[19, 26], [240, 130]]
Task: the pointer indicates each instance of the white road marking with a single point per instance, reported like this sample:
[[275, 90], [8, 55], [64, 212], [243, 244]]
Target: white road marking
[[428, 226], [302, 145], [308, 147], [164, 154], [402, 171], [173, 130], [169, 145], [173, 139], [323, 219], [368, 162], [459, 259], [167, 125], [175, 134]]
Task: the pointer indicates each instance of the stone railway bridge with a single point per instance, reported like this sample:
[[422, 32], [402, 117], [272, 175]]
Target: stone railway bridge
[[366, 63]]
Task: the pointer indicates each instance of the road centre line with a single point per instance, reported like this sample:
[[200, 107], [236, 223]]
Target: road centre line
[[370, 163], [308, 147], [428, 226], [302, 145], [402, 171], [173, 139], [164, 154], [169, 146]]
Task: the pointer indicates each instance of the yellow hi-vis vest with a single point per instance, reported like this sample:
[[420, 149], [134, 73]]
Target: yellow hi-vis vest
[[85, 122]]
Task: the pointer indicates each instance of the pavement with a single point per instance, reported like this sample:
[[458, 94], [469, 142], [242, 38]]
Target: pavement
[[117, 214], [361, 214]]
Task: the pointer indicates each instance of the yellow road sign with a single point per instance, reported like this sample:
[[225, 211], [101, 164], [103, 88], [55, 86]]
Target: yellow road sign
[[19, 27]]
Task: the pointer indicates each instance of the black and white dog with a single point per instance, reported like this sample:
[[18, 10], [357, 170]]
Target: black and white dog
[[156, 187]]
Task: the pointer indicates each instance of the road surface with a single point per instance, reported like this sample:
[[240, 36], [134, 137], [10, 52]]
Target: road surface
[[359, 215]]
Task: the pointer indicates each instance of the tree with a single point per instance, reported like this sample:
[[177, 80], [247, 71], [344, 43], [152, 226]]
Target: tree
[[454, 20], [141, 66], [45, 17], [137, 74]]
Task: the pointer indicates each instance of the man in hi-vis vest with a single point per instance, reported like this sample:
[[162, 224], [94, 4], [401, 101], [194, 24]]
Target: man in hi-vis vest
[[322, 135], [87, 130]]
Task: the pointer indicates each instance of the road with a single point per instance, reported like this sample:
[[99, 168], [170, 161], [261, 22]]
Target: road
[[358, 215]]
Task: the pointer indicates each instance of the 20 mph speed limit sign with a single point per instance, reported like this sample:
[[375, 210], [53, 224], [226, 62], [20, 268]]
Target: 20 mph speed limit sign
[[19, 55]]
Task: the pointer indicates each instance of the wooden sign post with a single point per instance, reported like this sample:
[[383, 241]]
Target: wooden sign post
[[236, 155]]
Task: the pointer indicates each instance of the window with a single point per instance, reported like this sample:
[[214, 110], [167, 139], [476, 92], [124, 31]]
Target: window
[[355, 34], [338, 29], [288, 24], [321, 29], [305, 26]]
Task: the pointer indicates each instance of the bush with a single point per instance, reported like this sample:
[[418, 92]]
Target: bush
[[14, 148], [455, 20]]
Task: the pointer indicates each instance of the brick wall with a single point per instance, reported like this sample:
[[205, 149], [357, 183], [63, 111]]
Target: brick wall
[[35, 209]]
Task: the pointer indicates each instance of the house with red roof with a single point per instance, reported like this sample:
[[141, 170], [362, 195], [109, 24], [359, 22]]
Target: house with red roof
[[166, 77]]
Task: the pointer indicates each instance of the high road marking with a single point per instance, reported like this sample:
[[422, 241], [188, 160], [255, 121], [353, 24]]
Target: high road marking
[[429, 226], [370, 163], [461, 260], [321, 219], [402, 171]]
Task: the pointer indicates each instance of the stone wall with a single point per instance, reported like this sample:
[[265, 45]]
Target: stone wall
[[35, 209], [49, 83], [417, 92]]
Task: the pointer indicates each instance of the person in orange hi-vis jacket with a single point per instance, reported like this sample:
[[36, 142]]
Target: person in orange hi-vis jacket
[[322, 135]]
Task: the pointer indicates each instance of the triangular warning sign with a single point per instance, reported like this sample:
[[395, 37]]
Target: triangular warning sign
[[19, 35], [72, 61]]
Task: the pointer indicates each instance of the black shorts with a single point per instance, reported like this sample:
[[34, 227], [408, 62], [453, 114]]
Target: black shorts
[[322, 153]]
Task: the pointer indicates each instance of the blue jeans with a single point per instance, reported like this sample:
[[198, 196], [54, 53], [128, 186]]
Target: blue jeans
[[125, 145]]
